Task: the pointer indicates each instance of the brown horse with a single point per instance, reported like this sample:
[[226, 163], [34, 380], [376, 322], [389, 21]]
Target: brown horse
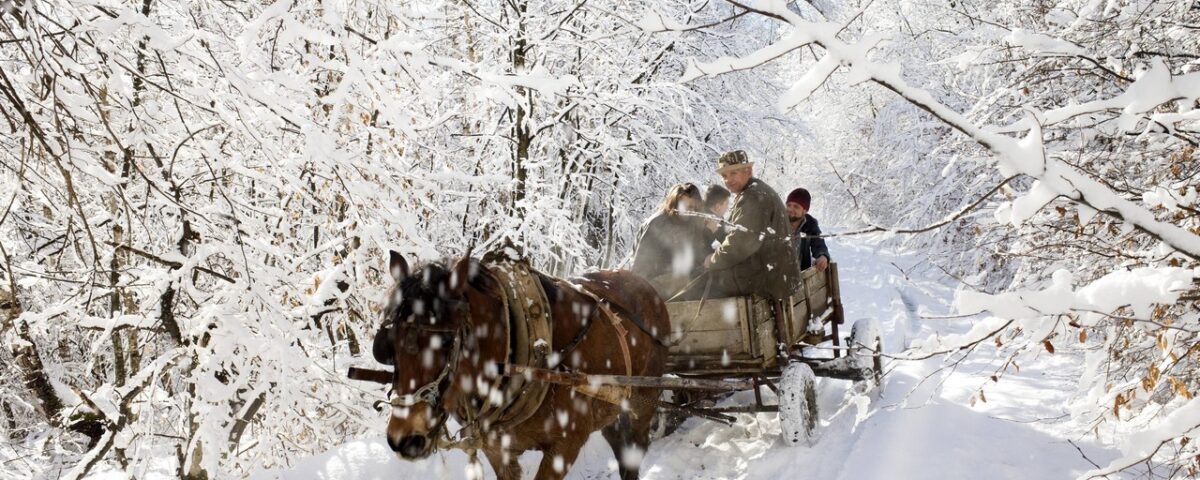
[[443, 332]]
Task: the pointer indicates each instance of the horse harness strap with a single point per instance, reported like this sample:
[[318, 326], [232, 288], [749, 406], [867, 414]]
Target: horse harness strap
[[609, 393], [513, 399], [622, 336], [633, 318]]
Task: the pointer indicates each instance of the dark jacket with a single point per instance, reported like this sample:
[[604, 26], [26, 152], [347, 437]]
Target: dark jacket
[[670, 251], [714, 239], [756, 257], [808, 242]]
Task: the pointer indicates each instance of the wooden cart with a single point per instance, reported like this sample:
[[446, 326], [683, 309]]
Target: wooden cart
[[735, 344], [739, 340]]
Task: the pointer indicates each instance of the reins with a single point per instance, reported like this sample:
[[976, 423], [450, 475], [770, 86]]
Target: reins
[[703, 297]]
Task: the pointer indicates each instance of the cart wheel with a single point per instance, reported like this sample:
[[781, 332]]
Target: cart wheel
[[798, 404], [866, 347]]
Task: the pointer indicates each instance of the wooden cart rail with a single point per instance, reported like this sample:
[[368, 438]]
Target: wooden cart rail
[[841, 368], [576, 379]]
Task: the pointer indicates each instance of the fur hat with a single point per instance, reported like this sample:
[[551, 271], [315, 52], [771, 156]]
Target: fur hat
[[734, 160]]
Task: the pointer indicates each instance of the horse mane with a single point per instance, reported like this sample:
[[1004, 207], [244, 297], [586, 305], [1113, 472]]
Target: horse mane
[[428, 282], [434, 280], [550, 286]]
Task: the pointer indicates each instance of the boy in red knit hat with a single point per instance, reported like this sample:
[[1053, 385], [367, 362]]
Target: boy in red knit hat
[[806, 233]]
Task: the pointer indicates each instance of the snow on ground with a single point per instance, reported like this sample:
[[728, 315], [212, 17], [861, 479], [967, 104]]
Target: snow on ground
[[922, 426]]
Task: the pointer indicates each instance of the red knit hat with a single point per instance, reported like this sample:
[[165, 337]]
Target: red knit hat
[[800, 196]]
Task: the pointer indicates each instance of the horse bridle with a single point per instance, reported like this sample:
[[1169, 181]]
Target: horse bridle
[[431, 393]]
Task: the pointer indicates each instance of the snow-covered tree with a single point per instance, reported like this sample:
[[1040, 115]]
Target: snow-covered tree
[[1050, 149], [197, 197]]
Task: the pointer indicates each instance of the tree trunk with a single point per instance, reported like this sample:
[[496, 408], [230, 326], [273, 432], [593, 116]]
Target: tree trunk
[[522, 136]]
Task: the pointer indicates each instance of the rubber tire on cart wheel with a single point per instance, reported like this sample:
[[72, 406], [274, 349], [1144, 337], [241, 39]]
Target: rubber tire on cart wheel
[[798, 404], [866, 347]]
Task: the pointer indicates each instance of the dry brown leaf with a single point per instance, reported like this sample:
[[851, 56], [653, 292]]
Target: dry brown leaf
[[1180, 388]]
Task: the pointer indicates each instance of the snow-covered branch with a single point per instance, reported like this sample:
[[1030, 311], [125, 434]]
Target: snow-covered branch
[[1025, 156]]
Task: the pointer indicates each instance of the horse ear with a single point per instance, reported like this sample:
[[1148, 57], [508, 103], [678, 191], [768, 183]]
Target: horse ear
[[465, 272], [397, 265]]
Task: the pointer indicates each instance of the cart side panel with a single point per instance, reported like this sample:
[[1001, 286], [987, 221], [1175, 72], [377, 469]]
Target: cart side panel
[[763, 318], [720, 327], [733, 334], [798, 323], [818, 302], [817, 293]]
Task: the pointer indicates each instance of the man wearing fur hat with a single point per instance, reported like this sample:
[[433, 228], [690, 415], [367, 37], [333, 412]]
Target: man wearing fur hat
[[806, 233], [756, 257]]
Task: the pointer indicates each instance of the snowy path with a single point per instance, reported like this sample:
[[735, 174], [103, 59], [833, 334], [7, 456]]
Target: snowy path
[[922, 427]]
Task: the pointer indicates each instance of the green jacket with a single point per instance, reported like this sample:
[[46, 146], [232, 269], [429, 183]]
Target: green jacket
[[757, 256]]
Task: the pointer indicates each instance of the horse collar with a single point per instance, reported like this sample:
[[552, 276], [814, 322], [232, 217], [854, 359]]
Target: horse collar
[[527, 326]]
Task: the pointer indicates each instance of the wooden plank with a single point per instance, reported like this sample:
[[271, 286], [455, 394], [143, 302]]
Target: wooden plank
[[711, 341], [798, 324], [811, 275], [710, 357], [800, 304], [714, 367], [719, 325], [714, 364], [800, 315], [805, 304], [814, 282], [839, 317], [714, 314], [745, 409], [576, 379], [765, 332], [814, 300], [818, 299]]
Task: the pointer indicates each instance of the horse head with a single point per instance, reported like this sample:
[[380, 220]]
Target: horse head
[[426, 319]]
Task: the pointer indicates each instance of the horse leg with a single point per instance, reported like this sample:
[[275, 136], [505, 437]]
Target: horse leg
[[629, 435], [618, 434], [639, 434], [629, 438], [558, 458], [503, 462]]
